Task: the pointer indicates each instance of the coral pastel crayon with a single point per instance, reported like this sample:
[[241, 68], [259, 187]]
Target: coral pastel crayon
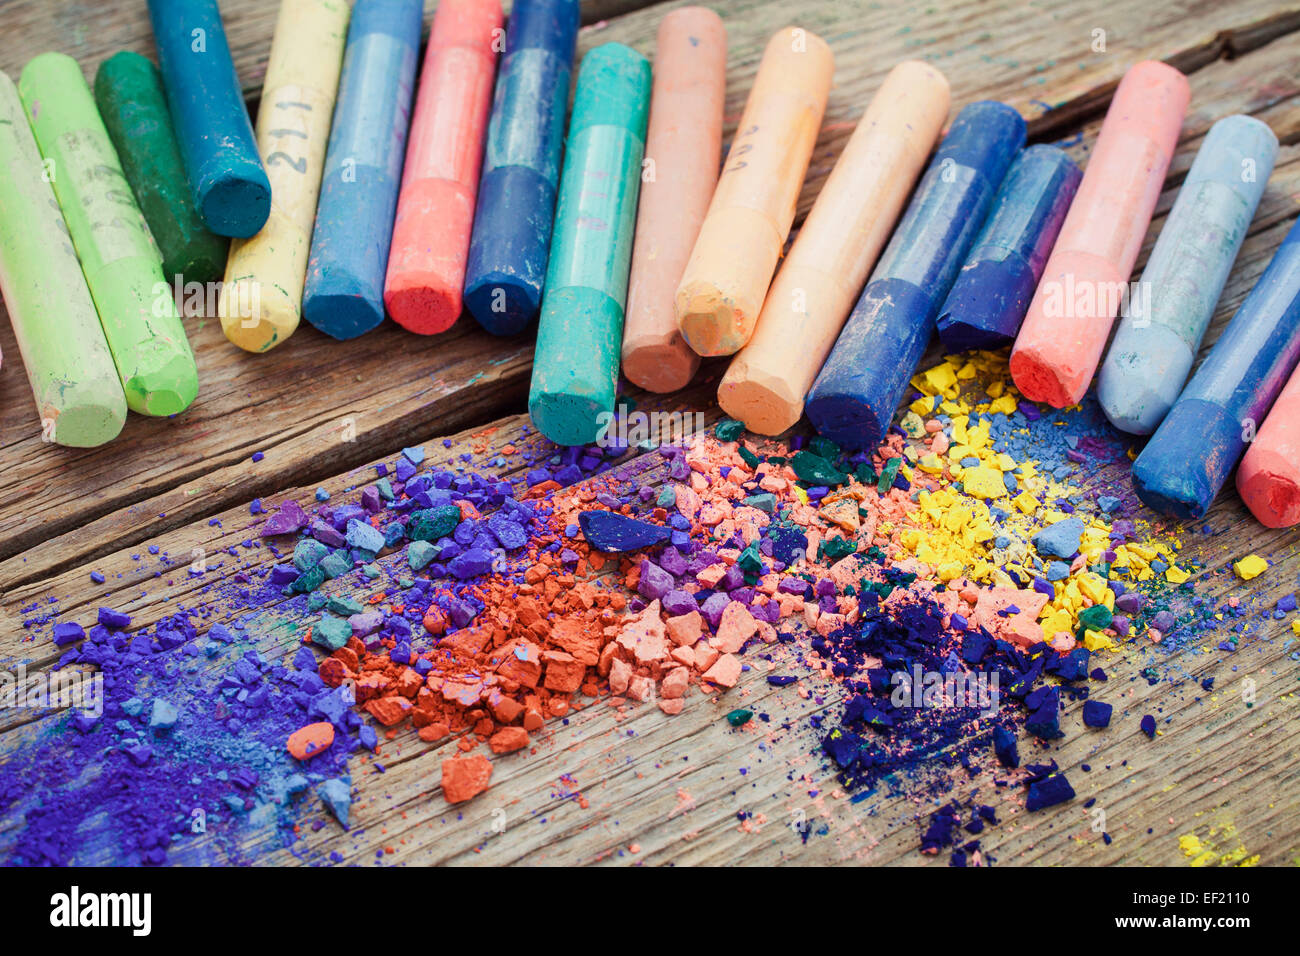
[[836, 248], [1069, 319], [735, 255], [684, 144], [435, 209], [1269, 477]]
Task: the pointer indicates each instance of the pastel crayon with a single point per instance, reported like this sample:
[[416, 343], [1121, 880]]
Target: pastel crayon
[[1269, 477], [261, 299], [683, 150], [121, 264], [435, 208], [230, 186], [1162, 325], [835, 250], [78, 398], [580, 330], [735, 254], [1078, 297], [344, 292], [511, 238], [992, 291], [131, 101], [1187, 460], [857, 391]]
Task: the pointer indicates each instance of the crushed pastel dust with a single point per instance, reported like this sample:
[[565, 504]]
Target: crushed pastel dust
[[931, 608]]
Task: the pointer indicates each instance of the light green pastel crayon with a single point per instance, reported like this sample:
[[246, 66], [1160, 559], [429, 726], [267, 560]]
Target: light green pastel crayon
[[122, 265], [78, 397]]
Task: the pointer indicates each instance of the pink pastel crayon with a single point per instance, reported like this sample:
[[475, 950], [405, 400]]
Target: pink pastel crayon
[[1079, 295], [435, 208], [1269, 477]]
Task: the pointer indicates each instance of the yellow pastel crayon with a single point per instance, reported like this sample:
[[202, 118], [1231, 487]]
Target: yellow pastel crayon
[[261, 300]]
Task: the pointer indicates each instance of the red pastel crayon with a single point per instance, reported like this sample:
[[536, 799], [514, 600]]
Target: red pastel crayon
[[435, 208]]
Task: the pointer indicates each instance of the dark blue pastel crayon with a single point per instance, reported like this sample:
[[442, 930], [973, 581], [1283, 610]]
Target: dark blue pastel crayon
[[215, 135], [992, 291], [855, 394], [1187, 460], [344, 293], [511, 239]]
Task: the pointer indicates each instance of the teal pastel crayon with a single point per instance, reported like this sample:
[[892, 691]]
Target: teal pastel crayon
[[344, 294], [1167, 314], [1187, 460], [992, 292], [231, 189], [130, 97], [858, 389], [580, 330]]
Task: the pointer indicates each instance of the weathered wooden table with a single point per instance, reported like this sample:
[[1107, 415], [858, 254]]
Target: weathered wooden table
[[320, 410]]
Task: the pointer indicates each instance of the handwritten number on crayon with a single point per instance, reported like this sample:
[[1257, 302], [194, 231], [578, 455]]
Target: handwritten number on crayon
[[284, 159], [740, 150]]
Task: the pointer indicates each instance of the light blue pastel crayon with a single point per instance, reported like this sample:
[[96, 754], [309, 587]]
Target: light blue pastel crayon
[[521, 167], [344, 293], [231, 190], [1167, 315], [1187, 460], [858, 389]]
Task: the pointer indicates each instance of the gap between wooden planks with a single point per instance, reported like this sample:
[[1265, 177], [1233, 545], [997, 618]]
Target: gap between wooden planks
[[62, 507]]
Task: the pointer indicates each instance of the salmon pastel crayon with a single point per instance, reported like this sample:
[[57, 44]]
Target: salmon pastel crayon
[[521, 167], [735, 254], [435, 208], [580, 330], [79, 400], [857, 391], [1269, 477], [683, 147], [261, 299], [131, 101], [1164, 320], [123, 270], [991, 293], [344, 293], [1187, 460], [1087, 274], [838, 244], [229, 184]]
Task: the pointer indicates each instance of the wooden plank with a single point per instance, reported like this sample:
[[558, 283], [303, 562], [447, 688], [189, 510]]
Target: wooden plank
[[292, 402]]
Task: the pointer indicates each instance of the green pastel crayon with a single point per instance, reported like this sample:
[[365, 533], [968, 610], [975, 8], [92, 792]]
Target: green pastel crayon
[[118, 257], [78, 397], [129, 94], [580, 332]]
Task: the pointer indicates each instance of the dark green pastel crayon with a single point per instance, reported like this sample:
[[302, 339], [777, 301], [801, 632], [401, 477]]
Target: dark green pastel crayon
[[129, 94]]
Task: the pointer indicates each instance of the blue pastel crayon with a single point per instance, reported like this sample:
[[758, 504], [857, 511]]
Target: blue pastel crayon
[[516, 195], [215, 135], [861, 384], [992, 291], [344, 293], [1166, 317], [1188, 459]]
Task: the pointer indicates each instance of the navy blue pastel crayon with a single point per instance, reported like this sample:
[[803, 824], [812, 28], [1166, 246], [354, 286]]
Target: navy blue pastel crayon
[[992, 291], [855, 394], [231, 190], [1188, 459], [344, 294], [516, 195]]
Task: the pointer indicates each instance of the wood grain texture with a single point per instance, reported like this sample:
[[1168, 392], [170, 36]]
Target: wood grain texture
[[672, 786]]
